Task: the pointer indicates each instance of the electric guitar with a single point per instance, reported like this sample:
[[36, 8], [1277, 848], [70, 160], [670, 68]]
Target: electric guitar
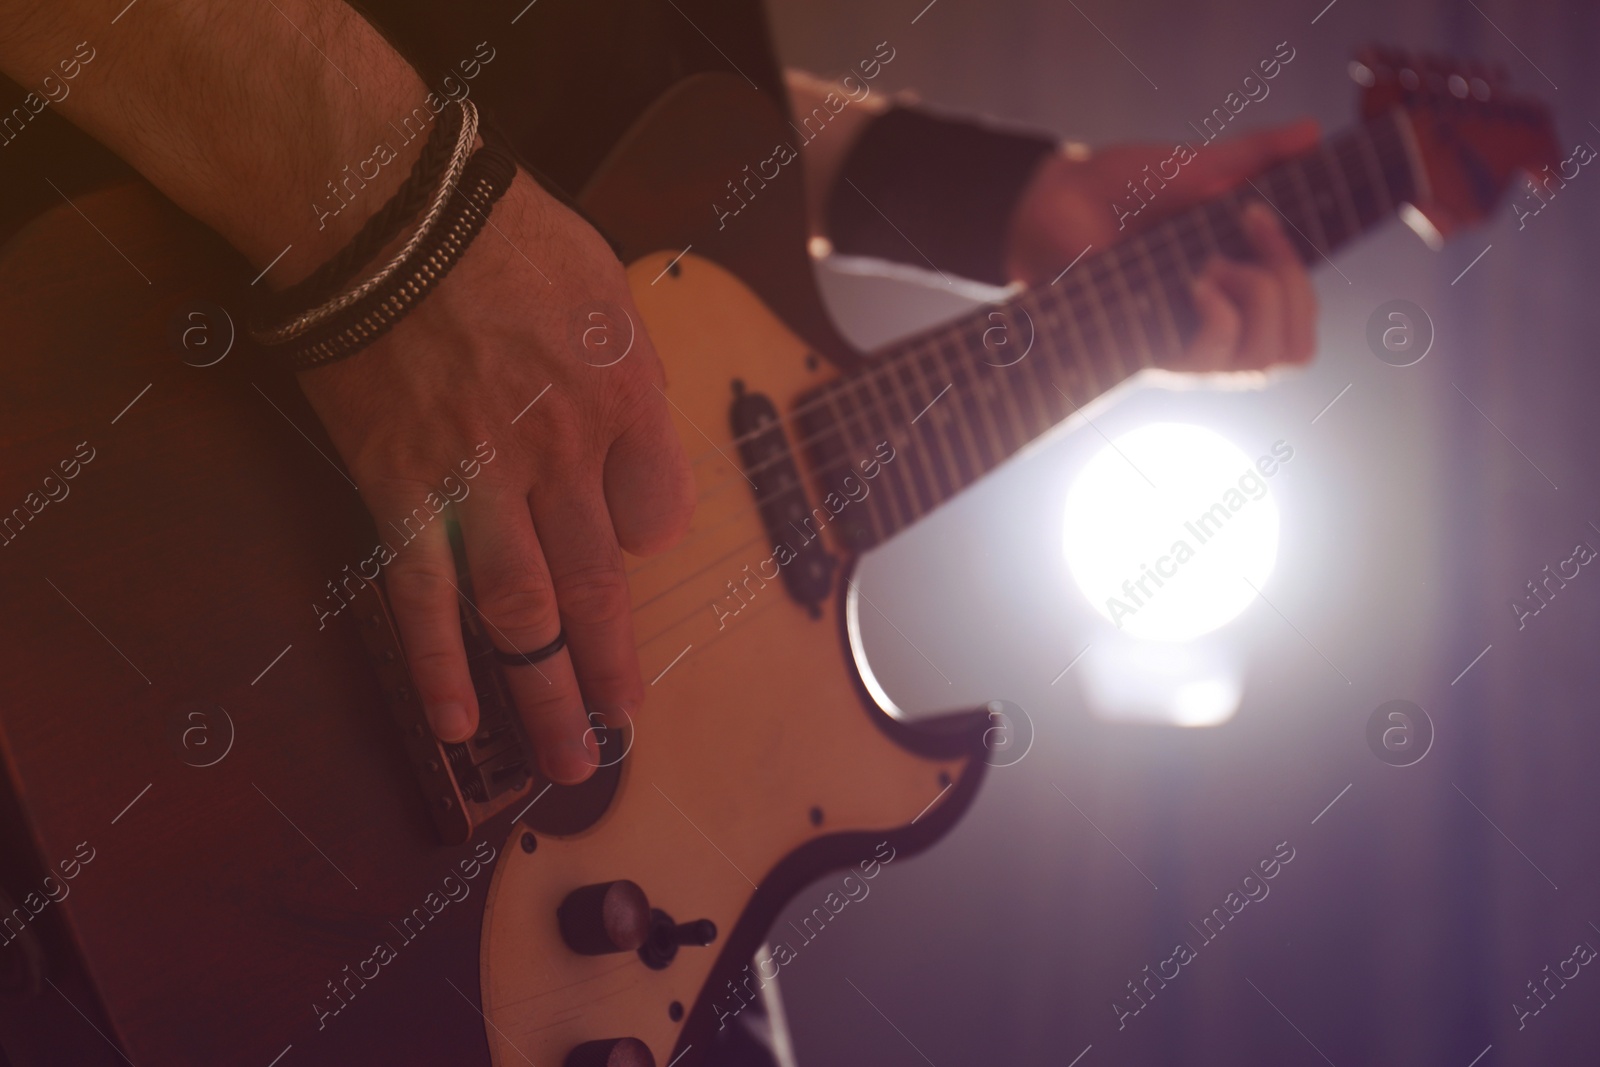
[[230, 837]]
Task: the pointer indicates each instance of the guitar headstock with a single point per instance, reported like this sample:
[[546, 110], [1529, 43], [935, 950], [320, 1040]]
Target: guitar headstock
[[1473, 135]]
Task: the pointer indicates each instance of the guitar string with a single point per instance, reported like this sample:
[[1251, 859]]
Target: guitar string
[[1183, 241], [1185, 226], [957, 336], [1193, 225], [891, 384], [685, 580], [908, 489], [1070, 302]]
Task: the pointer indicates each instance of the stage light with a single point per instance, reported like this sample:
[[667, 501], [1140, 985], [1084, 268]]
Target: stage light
[[1168, 529]]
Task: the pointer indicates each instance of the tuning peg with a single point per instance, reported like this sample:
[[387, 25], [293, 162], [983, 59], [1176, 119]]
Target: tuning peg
[[1458, 87], [1362, 74]]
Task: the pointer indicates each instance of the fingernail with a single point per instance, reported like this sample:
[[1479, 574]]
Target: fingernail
[[450, 722], [570, 763]]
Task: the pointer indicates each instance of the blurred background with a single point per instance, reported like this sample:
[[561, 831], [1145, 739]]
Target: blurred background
[[1419, 906]]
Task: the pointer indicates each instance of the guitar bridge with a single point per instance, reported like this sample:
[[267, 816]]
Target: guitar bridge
[[465, 784]]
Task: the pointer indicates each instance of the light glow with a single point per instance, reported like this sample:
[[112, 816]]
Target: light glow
[[1166, 532]]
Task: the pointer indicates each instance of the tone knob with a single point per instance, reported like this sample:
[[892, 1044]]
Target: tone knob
[[618, 1052], [603, 918]]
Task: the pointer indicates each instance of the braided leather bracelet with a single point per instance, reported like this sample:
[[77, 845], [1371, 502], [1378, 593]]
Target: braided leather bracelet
[[437, 160], [484, 181], [440, 194]]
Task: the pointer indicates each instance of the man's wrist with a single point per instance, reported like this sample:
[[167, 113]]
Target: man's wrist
[[297, 95]]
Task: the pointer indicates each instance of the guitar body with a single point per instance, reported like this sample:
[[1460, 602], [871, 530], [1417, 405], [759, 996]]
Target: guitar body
[[264, 877], [228, 836], [752, 748]]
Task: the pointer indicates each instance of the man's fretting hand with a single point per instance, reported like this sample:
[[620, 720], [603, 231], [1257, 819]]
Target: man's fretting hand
[[592, 469], [1252, 315]]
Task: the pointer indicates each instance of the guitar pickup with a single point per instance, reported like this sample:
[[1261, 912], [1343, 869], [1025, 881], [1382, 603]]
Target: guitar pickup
[[807, 567]]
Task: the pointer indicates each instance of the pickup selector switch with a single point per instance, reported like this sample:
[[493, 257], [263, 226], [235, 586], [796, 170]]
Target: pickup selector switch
[[661, 946]]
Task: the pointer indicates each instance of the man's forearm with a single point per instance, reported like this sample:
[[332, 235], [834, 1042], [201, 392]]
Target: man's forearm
[[240, 111], [825, 153]]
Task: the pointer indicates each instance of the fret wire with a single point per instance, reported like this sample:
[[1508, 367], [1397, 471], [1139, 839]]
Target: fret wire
[[1281, 203], [991, 391], [1341, 187], [1147, 303], [952, 431], [994, 385], [1098, 342], [895, 421], [1123, 299], [1048, 356], [1416, 183], [895, 509], [1357, 169], [1232, 237], [930, 442], [1082, 357], [1319, 183], [816, 445], [969, 403], [1399, 168], [959, 429], [1136, 304], [1190, 242], [920, 467], [1088, 307], [1199, 224], [1364, 142], [1313, 218], [857, 517], [1097, 306], [1179, 301], [849, 410], [952, 422], [1170, 234], [965, 342], [824, 476], [1009, 377], [1023, 382], [1157, 287]]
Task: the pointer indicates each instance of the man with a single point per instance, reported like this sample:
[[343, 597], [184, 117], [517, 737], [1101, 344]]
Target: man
[[241, 112]]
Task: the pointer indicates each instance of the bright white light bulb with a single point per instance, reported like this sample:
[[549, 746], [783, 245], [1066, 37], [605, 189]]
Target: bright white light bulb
[[1167, 530]]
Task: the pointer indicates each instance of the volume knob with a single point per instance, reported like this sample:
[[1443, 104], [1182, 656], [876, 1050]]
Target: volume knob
[[605, 917], [621, 1052]]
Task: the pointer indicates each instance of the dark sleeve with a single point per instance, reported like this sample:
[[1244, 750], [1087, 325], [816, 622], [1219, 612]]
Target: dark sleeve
[[569, 77], [922, 189]]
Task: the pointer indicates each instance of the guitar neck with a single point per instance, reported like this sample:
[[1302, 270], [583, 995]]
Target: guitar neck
[[960, 399]]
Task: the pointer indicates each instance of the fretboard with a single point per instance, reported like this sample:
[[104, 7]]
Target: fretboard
[[958, 400]]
